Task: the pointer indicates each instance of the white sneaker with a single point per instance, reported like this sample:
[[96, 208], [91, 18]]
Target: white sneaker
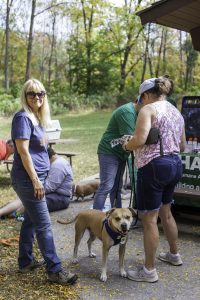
[[171, 259], [141, 275]]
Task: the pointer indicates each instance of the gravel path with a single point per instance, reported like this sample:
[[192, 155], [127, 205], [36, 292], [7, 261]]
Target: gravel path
[[181, 283]]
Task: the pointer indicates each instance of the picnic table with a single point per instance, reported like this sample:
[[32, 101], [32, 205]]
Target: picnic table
[[66, 153], [8, 163]]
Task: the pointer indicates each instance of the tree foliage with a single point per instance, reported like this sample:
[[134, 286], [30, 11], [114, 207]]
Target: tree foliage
[[90, 48]]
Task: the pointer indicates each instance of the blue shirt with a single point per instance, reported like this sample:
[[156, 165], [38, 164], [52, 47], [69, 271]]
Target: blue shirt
[[23, 128]]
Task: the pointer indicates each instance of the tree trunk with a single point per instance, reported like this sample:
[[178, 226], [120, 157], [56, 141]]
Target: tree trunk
[[88, 30], [11, 69], [7, 33], [159, 54], [181, 59], [127, 48], [30, 42], [146, 53], [51, 51], [42, 61], [88, 80], [164, 51], [123, 69], [150, 66]]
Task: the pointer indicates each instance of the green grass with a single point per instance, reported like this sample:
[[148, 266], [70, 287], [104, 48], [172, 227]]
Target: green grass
[[86, 127], [5, 124]]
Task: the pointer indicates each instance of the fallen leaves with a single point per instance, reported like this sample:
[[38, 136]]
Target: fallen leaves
[[30, 286]]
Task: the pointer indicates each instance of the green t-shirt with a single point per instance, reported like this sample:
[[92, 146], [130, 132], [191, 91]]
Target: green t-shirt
[[122, 122]]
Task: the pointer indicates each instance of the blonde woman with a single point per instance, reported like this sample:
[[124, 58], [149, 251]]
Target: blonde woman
[[30, 168]]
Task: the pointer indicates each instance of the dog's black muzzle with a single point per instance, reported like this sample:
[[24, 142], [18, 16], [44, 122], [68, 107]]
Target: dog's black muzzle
[[124, 227]]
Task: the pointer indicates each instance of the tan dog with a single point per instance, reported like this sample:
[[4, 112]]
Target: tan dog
[[86, 188], [111, 228]]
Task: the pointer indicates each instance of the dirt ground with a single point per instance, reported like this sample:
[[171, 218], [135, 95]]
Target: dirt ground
[[181, 283]]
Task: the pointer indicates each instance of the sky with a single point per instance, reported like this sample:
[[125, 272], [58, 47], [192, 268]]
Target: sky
[[117, 2]]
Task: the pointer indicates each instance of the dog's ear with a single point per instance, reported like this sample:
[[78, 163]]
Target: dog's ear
[[109, 212], [133, 211]]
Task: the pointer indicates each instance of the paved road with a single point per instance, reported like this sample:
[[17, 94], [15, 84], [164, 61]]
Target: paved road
[[181, 283]]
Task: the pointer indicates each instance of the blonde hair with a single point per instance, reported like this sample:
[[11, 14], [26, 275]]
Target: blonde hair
[[44, 111]]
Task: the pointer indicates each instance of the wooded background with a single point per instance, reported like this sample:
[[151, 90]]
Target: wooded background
[[89, 53]]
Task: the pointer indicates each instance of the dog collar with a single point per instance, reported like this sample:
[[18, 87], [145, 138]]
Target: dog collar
[[115, 236]]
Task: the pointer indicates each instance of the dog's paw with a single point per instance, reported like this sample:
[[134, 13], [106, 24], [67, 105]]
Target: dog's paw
[[123, 273], [92, 255], [103, 277], [74, 260]]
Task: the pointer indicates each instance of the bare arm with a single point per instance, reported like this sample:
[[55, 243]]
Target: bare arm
[[23, 150], [143, 126]]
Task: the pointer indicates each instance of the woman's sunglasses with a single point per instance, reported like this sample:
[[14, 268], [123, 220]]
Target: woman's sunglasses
[[32, 95]]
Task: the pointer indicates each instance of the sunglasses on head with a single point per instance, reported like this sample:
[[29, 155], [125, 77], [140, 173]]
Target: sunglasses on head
[[33, 94]]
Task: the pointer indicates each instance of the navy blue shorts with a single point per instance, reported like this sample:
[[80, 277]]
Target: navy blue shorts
[[156, 182]]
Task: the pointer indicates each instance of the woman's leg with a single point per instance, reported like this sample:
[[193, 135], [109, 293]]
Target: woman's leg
[[169, 227], [108, 166], [36, 220], [115, 194], [151, 238], [167, 219], [26, 242], [148, 272]]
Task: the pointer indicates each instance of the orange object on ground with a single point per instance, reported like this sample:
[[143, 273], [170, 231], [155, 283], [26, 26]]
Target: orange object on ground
[[8, 242]]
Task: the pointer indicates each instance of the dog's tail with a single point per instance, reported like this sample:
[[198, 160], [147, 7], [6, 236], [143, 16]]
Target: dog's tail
[[67, 221]]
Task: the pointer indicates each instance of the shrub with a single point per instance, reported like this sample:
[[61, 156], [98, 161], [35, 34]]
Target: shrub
[[61, 102], [16, 90], [103, 101], [8, 105], [76, 102]]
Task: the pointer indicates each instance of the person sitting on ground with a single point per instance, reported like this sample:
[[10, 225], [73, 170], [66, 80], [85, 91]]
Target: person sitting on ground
[[58, 187], [59, 182], [12, 209], [6, 149]]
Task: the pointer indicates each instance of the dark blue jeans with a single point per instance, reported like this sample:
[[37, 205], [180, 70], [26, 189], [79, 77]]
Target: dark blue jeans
[[156, 182], [111, 180], [57, 201], [36, 221]]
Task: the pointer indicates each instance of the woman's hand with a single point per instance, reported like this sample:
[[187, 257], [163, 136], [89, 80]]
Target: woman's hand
[[124, 147], [38, 188]]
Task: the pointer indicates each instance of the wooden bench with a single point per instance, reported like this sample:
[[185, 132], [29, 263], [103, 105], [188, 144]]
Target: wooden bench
[[67, 154], [193, 194], [8, 163]]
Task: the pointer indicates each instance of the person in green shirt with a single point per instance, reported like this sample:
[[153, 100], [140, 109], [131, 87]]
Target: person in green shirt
[[112, 160]]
